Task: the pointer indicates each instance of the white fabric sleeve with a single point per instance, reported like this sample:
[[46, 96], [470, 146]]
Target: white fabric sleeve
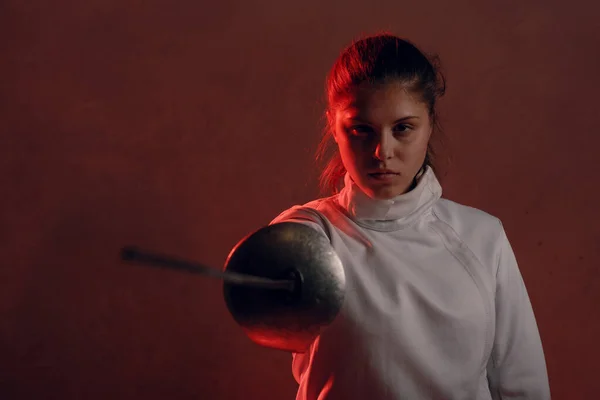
[[517, 367]]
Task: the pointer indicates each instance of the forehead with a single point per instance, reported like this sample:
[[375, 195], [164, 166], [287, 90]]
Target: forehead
[[382, 102]]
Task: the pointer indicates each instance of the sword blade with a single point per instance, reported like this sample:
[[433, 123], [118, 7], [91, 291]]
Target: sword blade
[[134, 254]]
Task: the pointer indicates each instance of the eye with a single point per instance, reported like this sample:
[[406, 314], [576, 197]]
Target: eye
[[402, 128], [359, 130]]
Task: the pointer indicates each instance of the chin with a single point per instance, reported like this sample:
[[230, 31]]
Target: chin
[[385, 193], [382, 190]]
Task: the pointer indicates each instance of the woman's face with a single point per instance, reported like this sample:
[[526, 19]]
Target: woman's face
[[382, 132]]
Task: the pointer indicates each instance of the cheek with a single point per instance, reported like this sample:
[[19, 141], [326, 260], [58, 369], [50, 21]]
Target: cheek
[[419, 146], [355, 149], [347, 149], [352, 154]]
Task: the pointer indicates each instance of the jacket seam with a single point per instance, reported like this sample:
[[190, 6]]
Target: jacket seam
[[488, 344], [492, 353]]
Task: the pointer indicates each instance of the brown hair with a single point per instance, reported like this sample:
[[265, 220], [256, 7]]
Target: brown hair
[[378, 59]]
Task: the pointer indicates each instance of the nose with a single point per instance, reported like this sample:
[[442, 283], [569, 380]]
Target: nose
[[384, 150]]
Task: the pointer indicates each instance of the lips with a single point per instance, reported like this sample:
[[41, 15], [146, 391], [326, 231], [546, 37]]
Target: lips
[[382, 172], [383, 176]]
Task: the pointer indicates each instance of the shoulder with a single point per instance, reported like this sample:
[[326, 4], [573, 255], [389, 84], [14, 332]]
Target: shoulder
[[478, 230], [462, 216], [313, 210], [315, 213]]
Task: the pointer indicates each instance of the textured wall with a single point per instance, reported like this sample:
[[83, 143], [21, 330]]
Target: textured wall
[[181, 126]]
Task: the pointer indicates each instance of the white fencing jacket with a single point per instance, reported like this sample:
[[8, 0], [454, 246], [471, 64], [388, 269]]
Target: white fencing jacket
[[436, 307]]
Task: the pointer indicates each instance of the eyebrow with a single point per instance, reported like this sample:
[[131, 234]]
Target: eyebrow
[[358, 119]]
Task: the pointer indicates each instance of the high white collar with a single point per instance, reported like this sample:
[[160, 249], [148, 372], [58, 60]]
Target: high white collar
[[390, 214]]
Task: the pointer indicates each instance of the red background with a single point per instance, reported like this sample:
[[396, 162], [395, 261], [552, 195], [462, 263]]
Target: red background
[[181, 126]]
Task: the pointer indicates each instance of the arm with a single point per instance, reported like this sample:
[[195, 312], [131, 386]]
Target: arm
[[517, 368]]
